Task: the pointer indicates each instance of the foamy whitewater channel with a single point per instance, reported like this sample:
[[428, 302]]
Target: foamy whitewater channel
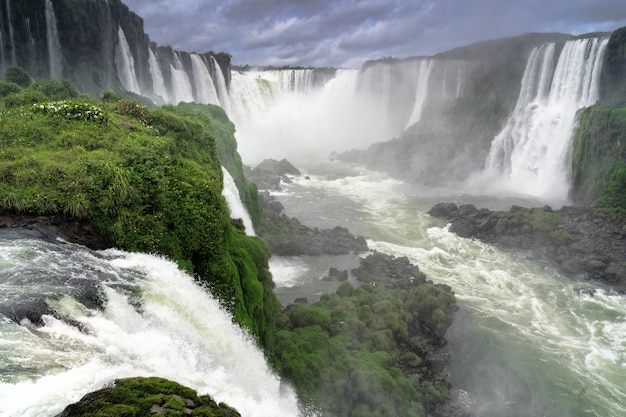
[[154, 321], [526, 341]]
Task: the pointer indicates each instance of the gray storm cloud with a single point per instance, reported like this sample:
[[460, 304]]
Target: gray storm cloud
[[346, 33]]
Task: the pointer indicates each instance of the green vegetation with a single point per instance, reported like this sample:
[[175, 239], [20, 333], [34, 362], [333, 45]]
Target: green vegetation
[[18, 76], [135, 397], [544, 221], [147, 180], [150, 180], [350, 355], [599, 158]]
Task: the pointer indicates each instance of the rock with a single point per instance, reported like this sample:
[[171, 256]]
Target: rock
[[270, 172], [382, 269], [444, 210], [135, 395], [584, 241], [336, 275]]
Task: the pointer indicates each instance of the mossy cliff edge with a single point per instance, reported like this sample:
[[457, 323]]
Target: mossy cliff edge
[[142, 180]]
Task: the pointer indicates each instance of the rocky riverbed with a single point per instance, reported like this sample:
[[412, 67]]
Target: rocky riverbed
[[581, 241]]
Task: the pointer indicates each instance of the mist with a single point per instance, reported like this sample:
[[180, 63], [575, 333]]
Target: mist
[[306, 124]]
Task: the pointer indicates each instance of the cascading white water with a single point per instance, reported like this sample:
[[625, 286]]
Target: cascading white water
[[527, 341], [222, 89], [158, 84], [421, 90], [108, 49], [233, 198], [3, 60], [250, 95], [295, 80], [204, 87], [11, 33], [54, 45], [32, 46], [531, 154], [181, 84], [335, 117], [155, 321], [125, 64]]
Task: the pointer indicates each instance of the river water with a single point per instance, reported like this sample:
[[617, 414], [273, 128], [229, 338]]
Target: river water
[[526, 341]]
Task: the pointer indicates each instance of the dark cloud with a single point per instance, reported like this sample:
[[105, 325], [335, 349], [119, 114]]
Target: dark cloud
[[347, 32]]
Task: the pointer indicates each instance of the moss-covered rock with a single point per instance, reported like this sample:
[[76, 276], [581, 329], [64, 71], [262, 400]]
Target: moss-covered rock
[[368, 351], [145, 397]]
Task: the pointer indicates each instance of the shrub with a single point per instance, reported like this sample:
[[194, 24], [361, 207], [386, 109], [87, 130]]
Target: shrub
[[55, 89], [23, 98], [544, 221], [18, 76], [133, 109], [7, 88], [71, 110]]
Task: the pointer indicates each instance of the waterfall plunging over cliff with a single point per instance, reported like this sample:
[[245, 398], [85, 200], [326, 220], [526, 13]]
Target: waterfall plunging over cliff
[[421, 90], [11, 32], [531, 155], [205, 89], [125, 64], [54, 46], [112, 315], [158, 84], [235, 205], [181, 83]]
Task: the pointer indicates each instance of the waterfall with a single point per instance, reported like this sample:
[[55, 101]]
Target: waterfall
[[531, 155], [125, 64], [421, 90], [250, 95], [107, 43], [181, 85], [54, 46], [233, 198], [154, 321], [295, 80], [205, 89], [222, 90], [158, 83], [32, 47], [11, 33], [3, 61]]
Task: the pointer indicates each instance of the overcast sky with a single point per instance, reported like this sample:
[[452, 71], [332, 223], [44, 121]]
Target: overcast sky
[[345, 33]]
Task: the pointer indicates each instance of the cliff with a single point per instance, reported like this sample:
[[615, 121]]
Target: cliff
[[140, 180], [599, 143], [468, 97], [97, 45]]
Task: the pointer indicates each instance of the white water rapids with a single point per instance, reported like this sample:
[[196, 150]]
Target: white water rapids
[[155, 321], [527, 341]]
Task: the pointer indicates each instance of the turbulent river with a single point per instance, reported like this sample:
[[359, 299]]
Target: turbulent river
[[526, 341]]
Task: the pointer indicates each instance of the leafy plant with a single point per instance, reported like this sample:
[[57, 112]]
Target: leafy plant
[[71, 110], [17, 75]]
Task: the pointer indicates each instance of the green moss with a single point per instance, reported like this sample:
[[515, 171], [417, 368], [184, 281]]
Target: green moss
[[544, 221], [344, 353], [153, 188], [134, 397], [17, 76]]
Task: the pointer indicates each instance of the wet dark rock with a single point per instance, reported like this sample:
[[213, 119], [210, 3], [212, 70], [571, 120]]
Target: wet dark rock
[[335, 274], [26, 307], [270, 172], [381, 269], [56, 228], [583, 242], [287, 236]]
